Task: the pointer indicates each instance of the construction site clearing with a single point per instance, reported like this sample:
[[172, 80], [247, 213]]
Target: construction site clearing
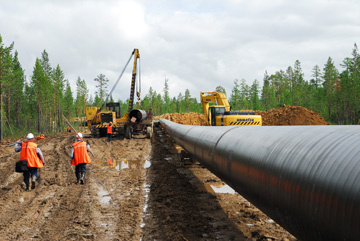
[[136, 189]]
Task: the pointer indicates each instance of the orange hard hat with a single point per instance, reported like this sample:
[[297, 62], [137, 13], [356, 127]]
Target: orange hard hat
[[110, 122]]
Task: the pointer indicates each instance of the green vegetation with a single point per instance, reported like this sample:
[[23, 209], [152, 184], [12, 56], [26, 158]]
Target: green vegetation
[[36, 104]]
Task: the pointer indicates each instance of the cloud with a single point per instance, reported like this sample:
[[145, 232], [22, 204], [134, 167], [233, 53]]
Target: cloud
[[197, 45]]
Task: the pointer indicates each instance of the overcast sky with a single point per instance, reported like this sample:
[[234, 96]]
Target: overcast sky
[[197, 45]]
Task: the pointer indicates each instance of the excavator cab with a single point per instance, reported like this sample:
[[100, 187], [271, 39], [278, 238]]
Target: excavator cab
[[214, 112], [221, 114]]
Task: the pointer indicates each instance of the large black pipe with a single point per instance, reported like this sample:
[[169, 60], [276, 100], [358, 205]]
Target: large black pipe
[[137, 115], [306, 178]]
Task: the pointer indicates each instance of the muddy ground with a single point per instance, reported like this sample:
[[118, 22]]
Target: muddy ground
[[150, 191]]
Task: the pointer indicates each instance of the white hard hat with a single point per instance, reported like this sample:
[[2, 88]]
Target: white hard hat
[[30, 136], [80, 135]]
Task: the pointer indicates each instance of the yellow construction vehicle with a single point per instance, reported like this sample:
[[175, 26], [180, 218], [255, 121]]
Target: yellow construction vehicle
[[99, 119], [220, 113]]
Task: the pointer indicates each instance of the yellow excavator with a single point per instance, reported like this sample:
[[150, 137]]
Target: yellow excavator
[[220, 113]]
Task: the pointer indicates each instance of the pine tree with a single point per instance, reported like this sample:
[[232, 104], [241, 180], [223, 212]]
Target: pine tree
[[18, 91], [102, 85], [58, 85], [81, 97], [5, 63], [330, 76], [166, 96], [179, 103], [298, 84], [187, 100], [244, 95], [235, 95], [68, 101], [316, 73], [268, 94], [47, 90], [255, 96], [38, 89]]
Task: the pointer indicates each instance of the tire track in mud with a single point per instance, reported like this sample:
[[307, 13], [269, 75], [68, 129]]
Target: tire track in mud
[[14, 200], [69, 217], [122, 189], [114, 195], [24, 219]]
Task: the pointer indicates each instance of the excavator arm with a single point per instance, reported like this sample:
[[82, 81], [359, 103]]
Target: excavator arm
[[220, 113], [217, 98]]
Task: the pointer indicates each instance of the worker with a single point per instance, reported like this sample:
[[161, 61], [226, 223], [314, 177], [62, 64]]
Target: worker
[[30, 152], [69, 129], [110, 130], [79, 157]]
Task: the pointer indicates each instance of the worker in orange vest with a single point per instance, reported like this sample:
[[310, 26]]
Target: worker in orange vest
[[30, 152], [79, 157], [110, 130]]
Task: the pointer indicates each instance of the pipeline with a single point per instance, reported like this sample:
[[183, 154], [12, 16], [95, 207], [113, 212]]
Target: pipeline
[[137, 115], [306, 178]]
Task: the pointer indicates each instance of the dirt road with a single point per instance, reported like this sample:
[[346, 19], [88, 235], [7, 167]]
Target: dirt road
[[151, 191]]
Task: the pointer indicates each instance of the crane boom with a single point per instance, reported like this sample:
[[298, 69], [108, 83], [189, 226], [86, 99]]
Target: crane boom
[[117, 81], [132, 89]]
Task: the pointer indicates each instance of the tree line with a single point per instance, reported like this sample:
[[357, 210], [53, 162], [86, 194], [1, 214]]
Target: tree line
[[334, 94], [36, 104]]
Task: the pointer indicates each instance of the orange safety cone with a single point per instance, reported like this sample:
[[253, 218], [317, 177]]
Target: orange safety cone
[[110, 162]]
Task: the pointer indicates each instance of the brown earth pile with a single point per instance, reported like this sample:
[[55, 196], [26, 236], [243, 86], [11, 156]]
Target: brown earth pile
[[191, 118], [283, 116], [290, 116]]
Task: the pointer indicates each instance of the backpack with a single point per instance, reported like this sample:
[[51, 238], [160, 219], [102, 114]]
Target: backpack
[[21, 166]]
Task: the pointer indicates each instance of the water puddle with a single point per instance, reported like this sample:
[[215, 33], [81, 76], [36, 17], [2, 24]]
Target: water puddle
[[222, 189], [145, 207], [104, 196], [147, 164], [168, 159], [123, 164]]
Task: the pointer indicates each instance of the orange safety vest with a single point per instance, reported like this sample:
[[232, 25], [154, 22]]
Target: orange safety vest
[[80, 153], [28, 153], [109, 129]]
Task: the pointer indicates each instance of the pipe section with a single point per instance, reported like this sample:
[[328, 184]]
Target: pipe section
[[137, 115], [306, 178]]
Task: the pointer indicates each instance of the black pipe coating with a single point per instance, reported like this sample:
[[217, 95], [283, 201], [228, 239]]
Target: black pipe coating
[[306, 178], [137, 115]]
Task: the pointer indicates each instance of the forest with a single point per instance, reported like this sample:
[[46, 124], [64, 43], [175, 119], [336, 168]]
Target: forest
[[36, 104]]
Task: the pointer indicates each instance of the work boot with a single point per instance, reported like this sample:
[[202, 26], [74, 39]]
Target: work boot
[[27, 184], [33, 179], [82, 177], [78, 177]]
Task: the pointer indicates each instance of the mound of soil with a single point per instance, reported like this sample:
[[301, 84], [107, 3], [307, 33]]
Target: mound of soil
[[290, 116], [283, 116], [191, 118]]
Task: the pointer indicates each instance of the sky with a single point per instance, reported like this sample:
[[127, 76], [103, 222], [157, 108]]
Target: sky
[[195, 45]]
